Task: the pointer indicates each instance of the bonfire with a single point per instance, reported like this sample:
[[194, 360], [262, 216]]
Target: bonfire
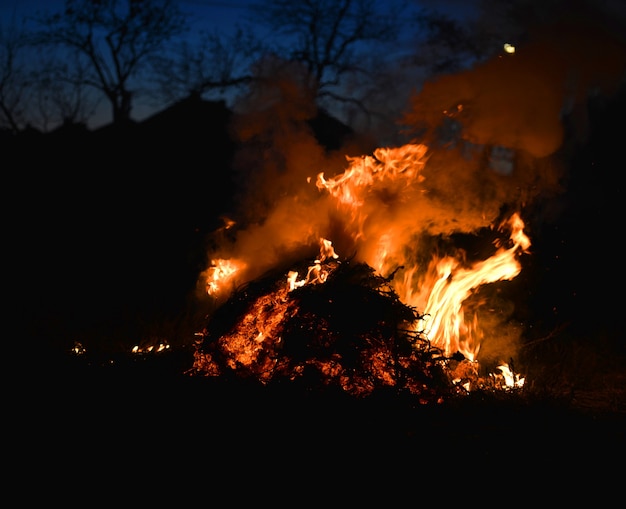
[[386, 318], [343, 325]]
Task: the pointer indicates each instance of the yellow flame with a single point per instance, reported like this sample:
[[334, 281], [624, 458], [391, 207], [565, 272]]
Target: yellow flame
[[448, 282], [221, 273], [511, 380], [439, 289], [445, 324], [316, 273]]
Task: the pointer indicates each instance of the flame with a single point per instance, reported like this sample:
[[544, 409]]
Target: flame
[[220, 274], [511, 380], [375, 201], [391, 168], [445, 324], [316, 273], [448, 282], [151, 348]]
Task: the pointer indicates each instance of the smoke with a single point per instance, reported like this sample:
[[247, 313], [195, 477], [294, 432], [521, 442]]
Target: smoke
[[526, 104], [518, 113], [566, 52], [518, 102], [280, 214], [529, 106]]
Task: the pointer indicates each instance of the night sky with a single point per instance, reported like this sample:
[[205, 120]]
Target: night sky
[[203, 15]]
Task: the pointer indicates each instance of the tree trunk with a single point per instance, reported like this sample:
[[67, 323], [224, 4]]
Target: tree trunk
[[122, 107]]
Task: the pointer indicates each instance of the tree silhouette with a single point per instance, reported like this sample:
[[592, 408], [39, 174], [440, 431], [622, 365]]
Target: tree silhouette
[[114, 39], [14, 81], [336, 41], [216, 63], [60, 93]]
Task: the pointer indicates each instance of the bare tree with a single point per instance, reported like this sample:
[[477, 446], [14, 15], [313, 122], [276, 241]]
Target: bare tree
[[60, 94], [336, 40], [114, 39], [447, 45], [14, 79], [216, 63]]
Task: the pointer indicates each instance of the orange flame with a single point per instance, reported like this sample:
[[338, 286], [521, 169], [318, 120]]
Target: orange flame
[[316, 272], [377, 198], [221, 274], [445, 322], [447, 283], [394, 168]]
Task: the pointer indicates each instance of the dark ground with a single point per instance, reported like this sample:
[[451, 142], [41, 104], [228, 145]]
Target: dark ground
[[154, 396], [140, 430]]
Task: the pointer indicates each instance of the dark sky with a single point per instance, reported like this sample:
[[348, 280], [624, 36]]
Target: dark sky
[[577, 53], [214, 13], [203, 15]]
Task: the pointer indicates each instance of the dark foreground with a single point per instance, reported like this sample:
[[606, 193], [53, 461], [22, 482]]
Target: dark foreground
[[147, 424]]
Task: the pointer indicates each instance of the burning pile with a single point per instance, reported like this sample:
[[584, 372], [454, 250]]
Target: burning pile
[[344, 327], [390, 317]]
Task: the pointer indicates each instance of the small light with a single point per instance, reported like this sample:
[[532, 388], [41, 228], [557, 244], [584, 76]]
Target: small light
[[509, 48]]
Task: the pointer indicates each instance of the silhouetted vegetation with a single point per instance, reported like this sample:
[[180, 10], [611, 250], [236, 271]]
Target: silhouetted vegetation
[[58, 66]]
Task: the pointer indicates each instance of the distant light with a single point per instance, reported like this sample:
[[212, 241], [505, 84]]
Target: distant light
[[509, 48]]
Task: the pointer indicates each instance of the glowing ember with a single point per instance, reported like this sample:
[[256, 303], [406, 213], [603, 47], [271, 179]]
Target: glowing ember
[[151, 348], [78, 348]]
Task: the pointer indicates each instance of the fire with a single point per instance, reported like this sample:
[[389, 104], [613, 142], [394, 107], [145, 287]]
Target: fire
[[316, 273], [448, 282], [453, 285], [280, 332], [374, 199], [151, 348], [391, 169], [220, 274], [511, 379]]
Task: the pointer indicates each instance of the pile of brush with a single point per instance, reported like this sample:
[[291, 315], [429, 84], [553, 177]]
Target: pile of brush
[[349, 330]]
